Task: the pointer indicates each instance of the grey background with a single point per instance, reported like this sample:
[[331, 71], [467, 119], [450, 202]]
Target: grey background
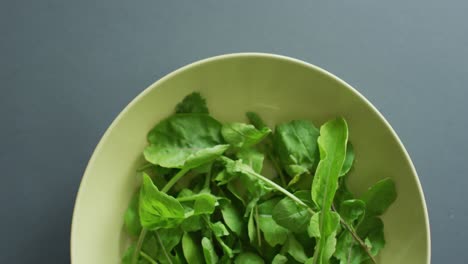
[[67, 68]]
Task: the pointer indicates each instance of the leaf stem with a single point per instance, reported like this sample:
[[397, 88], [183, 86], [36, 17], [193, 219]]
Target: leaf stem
[[148, 257], [358, 239], [281, 189], [137, 250], [174, 179]]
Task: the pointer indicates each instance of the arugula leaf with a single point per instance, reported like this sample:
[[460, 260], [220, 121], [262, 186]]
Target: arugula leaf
[[289, 214], [131, 217], [180, 137], [332, 145], [372, 229], [209, 251], [248, 258], [251, 229], [192, 223], [204, 203], [296, 146], [190, 249], [352, 210], [192, 103], [295, 249], [349, 160], [232, 218], [240, 135], [379, 197], [251, 157], [255, 120], [219, 229], [157, 209], [127, 257], [279, 259], [329, 223], [274, 234]]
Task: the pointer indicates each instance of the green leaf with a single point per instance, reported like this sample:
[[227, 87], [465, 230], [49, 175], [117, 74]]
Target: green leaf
[[251, 157], [379, 197], [204, 204], [192, 103], [232, 218], [251, 229], [240, 135], [170, 237], [295, 249], [352, 210], [288, 214], [279, 259], [191, 250], [314, 227], [180, 137], [205, 156], [255, 187], [219, 229], [371, 228], [192, 223], [274, 234], [209, 251], [132, 218], [255, 120], [349, 159], [332, 145], [248, 258], [128, 255], [329, 223], [157, 209], [296, 146]]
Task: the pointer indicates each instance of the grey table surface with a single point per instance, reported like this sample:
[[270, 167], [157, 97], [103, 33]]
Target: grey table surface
[[67, 68]]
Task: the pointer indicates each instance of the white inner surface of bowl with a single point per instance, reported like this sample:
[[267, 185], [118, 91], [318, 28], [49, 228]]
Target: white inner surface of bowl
[[279, 89]]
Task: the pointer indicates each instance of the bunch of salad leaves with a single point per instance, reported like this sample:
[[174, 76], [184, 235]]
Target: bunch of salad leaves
[[204, 197]]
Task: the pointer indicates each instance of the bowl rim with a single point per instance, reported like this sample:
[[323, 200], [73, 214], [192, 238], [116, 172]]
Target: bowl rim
[[170, 75]]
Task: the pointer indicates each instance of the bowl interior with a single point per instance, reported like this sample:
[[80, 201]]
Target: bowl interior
[[278, 88]]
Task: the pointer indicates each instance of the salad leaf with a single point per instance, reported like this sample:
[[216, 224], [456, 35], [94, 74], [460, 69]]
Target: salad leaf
[[192, 103], [157, 209], [251, 157], [296, 146], [132, 218], [232, 218], [352, 210], [209, 251], [349, 160], [248, 258], [279, 259], [180, 137], [379, 197], [190, 249], [274, 234], [255, 120], [295, 249], [241, 135], [290, 215], [332, 145]]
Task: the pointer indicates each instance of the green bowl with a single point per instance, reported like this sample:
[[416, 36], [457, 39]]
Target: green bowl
[[279, 89]]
